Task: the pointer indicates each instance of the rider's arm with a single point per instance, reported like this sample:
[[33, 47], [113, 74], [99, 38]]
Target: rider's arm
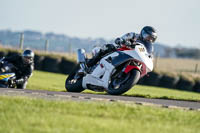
[[126, 38], [129, 36], [11, 58], [25, 76]]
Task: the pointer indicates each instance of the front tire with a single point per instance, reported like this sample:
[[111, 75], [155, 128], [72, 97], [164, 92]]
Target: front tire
[[72, 83], [128, 80]]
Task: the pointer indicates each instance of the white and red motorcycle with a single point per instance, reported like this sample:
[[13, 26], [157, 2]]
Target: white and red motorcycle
[[115, 73]]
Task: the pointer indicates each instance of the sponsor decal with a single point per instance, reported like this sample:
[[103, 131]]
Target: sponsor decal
[[5, 76]]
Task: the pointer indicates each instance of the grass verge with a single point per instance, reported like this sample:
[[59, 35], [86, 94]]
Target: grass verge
[[21, 114], [56, 82]]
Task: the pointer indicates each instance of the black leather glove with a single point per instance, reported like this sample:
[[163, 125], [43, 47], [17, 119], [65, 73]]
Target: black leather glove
[[119, 41], [11, 81], [20, 81]]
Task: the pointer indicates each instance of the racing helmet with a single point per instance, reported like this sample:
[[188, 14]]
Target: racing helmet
[[148, 34], [28, 56]]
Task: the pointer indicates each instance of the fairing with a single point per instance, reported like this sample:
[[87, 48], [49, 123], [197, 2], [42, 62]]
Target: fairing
[[102, 73]]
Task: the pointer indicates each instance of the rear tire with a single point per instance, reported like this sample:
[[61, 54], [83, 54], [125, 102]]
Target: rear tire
[[72, 84], [133, 78]]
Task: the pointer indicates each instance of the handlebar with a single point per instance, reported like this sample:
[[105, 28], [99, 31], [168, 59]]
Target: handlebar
[[7, 67]]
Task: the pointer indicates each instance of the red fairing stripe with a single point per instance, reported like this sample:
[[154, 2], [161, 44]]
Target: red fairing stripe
[[124, 48], [130, 67]]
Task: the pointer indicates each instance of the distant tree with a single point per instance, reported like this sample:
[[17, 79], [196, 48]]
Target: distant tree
[[188, 53]]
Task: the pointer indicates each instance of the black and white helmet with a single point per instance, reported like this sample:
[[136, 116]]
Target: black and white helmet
[[28, 56], [148, 34]]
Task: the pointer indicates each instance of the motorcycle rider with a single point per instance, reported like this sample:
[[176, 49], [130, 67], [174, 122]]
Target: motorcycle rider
[[147, 36], [24, 65]]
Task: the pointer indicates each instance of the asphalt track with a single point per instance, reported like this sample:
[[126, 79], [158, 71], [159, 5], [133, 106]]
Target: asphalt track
[[188, 105]]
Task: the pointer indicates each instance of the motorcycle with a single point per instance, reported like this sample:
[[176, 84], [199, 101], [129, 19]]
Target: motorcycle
[[115, 73], [7, 76]]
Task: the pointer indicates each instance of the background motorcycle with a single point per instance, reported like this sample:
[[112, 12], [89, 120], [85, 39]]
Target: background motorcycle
[[8, 76], [115, 73]]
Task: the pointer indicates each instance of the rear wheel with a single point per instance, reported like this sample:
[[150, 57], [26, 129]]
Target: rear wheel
[[74, 81], [120, 83]]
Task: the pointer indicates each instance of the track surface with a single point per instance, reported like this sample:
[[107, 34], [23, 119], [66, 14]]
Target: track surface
[[190, 105]]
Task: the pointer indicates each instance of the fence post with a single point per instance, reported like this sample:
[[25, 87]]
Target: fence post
[[196, 68], [21, 45], [46, 45], [156, 61]]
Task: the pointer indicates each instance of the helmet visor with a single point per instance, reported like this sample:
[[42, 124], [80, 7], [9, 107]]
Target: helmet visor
[[149, 38], [27, 59]]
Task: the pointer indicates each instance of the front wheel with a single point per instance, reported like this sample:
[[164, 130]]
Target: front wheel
[[119, 84], [74, 82]]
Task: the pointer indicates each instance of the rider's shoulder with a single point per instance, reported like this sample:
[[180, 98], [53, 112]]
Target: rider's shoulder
[[12, 57], [130, 34]]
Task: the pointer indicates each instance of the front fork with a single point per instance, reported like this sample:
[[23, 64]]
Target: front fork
[[132, 65]]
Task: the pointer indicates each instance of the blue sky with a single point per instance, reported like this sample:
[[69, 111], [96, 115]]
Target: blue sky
[[177, 21]]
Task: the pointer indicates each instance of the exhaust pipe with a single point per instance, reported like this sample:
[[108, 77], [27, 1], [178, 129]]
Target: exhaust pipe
[[81, 56], [81, 59]]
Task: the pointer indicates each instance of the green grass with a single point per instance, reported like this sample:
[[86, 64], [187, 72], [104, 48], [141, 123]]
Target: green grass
[[56, 82], [47, 81], [24, 115], [164, 93]]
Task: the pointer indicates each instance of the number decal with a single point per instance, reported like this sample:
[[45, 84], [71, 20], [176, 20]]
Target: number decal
[[141, 49]]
